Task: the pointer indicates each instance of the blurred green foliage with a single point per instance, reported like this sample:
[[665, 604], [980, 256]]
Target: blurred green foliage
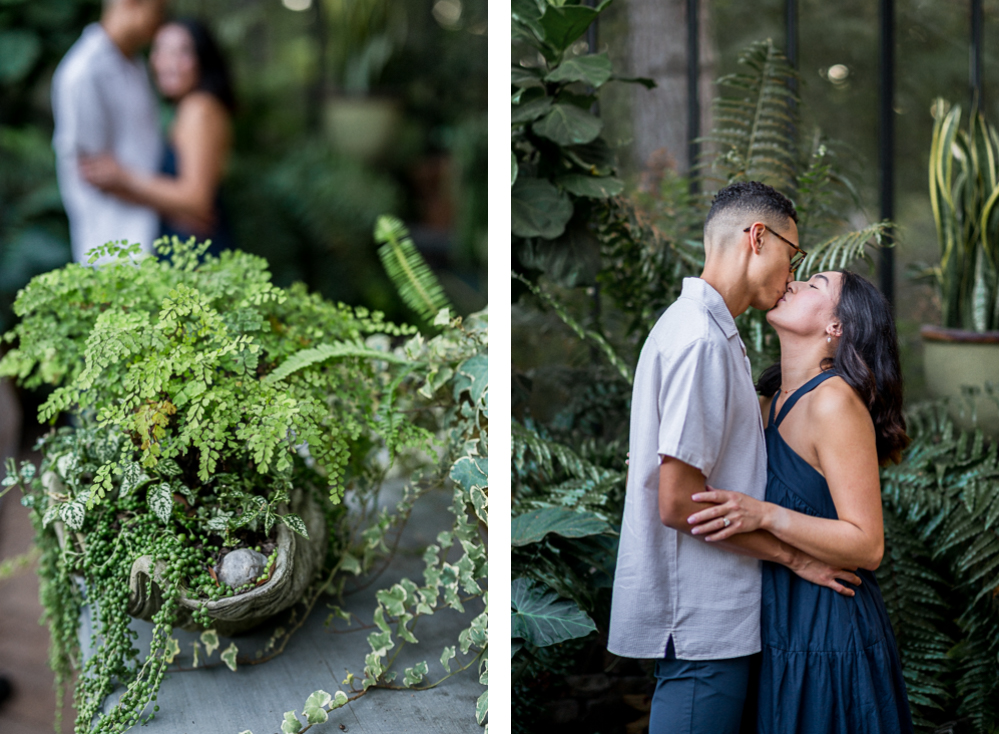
[[293, 193]]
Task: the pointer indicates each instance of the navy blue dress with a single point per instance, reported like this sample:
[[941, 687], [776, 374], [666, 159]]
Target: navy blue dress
[[829, 663], [221, 236]]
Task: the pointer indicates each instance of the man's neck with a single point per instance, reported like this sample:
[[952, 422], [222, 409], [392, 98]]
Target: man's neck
[[119, 36], [734, 290]]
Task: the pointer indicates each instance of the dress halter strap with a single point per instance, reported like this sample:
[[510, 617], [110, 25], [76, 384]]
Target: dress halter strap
[[790, 402]]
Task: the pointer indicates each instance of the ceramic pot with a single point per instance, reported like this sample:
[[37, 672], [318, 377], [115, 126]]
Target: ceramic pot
[[955, 359], [298, 559]]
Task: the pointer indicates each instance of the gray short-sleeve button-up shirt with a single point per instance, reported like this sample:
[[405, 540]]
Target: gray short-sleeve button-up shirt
[[693, 399], [102, 102]]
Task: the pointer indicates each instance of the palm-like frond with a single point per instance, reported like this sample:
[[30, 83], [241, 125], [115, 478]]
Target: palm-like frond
[[531, 453], [754, 129], [417, 285], [841, 251]]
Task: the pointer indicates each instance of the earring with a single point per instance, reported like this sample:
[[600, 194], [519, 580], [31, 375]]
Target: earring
[[828, 340]]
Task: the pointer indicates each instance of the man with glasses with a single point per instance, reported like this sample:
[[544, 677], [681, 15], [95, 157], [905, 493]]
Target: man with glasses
[[691, 605]]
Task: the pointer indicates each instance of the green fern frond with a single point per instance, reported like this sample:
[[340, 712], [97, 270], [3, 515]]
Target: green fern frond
[[757, 141], [841, 251], [323, 352], [409, 272], [544, 457]]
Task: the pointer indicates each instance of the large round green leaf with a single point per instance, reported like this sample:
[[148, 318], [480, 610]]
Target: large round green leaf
[[594, 187], [592, 69], [538, 209], [563, 25], [597, 157], [542, 618], [567, 124], [19, 50], [532, 526], [525, 16], [521, 76], [573, 259], [530, 109]]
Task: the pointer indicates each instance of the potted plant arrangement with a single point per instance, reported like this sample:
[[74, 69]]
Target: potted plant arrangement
[[961, 355], [364, 37], [216, 420]]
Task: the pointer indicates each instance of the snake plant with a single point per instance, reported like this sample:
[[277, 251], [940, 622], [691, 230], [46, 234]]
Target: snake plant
[[963, 188]]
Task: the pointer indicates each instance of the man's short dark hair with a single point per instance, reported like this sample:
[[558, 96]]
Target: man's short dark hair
[[752, 198]]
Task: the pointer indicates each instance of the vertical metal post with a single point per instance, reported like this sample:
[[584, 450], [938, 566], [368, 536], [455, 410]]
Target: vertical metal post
[[792, 52], [792, 32], [976, 88], [694, 106], [886, 139], [318, 93]]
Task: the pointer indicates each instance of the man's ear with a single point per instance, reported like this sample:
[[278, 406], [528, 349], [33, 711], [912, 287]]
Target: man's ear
[[756, 235]]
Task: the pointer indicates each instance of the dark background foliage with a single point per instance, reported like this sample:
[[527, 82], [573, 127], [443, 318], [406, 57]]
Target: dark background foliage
[[295, 191]]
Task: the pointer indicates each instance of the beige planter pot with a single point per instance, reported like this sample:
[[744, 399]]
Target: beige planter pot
[[296, 565], [362, 127], [955, 359]]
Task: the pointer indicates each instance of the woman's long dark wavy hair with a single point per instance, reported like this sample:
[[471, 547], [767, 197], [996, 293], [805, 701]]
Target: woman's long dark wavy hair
[[867, 358], [213, 71]]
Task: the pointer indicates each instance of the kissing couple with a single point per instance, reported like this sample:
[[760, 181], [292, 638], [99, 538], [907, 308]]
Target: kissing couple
[[753, 523]]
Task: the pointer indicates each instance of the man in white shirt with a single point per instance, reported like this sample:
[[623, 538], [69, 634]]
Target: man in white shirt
[[691, 605], [102, 102]]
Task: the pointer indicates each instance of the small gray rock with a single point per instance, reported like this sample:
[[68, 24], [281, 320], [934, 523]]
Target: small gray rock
[[240, 567]]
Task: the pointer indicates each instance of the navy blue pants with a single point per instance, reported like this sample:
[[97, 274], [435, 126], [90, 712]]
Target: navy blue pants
[[703, 696]]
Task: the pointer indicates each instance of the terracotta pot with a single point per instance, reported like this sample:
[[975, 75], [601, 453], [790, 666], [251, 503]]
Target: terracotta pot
[[957, 361]]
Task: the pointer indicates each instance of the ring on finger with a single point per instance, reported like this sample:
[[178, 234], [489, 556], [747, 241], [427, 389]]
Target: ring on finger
[[726, 522]]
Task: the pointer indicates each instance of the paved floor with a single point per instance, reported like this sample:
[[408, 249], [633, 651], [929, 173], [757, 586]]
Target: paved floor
[[255, 697], [24, 643]]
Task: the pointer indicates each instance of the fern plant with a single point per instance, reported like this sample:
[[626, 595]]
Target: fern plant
[[203, 397]]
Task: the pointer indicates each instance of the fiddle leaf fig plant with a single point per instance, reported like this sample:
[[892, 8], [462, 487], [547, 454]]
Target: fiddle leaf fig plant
[[561, 167]]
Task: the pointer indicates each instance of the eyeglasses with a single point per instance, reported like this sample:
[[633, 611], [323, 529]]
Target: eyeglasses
[[799, 254]]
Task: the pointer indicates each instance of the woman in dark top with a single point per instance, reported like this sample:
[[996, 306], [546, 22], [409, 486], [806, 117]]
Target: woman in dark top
[[832, 409], [191, 73]]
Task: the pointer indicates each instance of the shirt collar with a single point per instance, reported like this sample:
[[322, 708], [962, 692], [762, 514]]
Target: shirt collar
[[698, 290]]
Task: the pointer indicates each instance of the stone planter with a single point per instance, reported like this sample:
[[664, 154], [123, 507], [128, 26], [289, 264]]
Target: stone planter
[[362, 127], [953, 359], [297, 562]]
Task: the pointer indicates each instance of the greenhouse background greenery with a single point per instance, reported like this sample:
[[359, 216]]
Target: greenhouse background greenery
[[579, 319], [297, 194]]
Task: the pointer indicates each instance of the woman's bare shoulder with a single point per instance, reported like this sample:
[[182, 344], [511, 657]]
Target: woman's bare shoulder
[[201, 108], [835, 402]]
